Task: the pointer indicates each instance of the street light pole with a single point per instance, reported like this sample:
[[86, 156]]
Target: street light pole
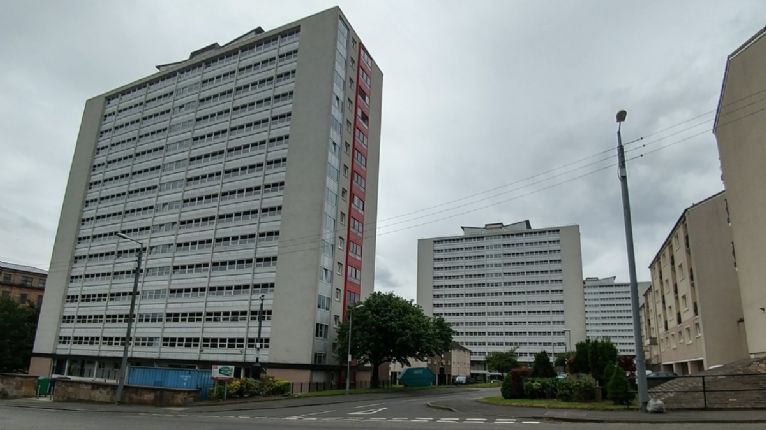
[[126, 344], [643, 394], [348, 356]]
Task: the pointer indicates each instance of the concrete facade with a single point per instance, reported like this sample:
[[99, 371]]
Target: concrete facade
[[608, 312], [505, 286], [740, 131], [692, 313], [249, 173], [22, 284]]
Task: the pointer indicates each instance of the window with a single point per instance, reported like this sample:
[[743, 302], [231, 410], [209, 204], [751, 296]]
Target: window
[[320, 357], [684, 302], [336, 320], [357, 203], [341, 243], [357, 226], [697, 329], [338, 293], [342, 218], [361, 159], [345, 171], [323, 302], [354, 274], [321, 330], [359, 181], [688, 333], [340, 268], [355, 250]]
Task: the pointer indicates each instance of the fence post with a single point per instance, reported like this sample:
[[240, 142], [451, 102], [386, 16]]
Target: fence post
[[704, 392]]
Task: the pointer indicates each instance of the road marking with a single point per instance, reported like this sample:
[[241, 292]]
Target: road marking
[[244, 417], [530, 422], [318, 413], [423, 418], [367, 412], [367, 406], [476, 419]]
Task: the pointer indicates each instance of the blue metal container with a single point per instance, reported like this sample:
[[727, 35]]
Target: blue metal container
[[196, 379], [417, 377]]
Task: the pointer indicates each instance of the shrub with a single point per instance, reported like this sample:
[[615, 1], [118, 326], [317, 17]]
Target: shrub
[[584, 389], [542, 367], [618, 389], [513, 384], [540, 388]]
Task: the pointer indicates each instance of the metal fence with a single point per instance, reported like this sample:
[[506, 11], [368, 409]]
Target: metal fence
[[725, 391]]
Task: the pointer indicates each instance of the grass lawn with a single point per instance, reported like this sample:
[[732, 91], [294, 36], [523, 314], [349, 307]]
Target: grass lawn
[[555, 404]]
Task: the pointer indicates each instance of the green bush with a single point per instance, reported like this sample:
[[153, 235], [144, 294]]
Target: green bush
[[576, 389], [540, 388], [618, 388], [513, 384], [542, 367]]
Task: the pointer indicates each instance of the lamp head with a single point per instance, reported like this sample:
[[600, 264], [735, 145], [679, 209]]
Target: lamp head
[[123, 235], [621, 116]]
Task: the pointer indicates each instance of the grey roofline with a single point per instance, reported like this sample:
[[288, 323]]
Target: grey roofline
[[202, 57], [731, 56], [680, 218], [22, 268]]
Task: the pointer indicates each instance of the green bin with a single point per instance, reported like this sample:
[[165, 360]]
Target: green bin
[[43, 386], [417, 377]]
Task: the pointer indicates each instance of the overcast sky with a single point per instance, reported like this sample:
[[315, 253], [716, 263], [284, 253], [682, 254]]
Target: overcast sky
[[493, 111]]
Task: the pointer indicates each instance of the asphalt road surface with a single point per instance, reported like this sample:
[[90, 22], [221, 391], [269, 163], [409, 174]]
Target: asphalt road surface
[[396, 411]]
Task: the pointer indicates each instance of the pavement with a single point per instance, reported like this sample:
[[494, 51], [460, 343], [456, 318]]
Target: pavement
[[613, 416], [444, 400]]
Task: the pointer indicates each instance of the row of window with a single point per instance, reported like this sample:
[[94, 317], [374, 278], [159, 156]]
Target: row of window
[[175, 293], [497, 236], [185, 124], [171, 317], [539, 243], [512, 303], [169, 342], [503, 255], [497, 313], [498, 294], [511, 333], [286, 37], [491, 285], [216, 266], [170, 166]]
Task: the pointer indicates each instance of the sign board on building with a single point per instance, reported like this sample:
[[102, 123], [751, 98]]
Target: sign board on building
[[222, 372]]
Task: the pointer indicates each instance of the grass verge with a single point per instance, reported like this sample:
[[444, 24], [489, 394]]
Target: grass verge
[[555, 404]]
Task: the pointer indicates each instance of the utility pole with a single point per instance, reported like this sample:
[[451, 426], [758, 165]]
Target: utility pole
[[126, 345], [643, 394]]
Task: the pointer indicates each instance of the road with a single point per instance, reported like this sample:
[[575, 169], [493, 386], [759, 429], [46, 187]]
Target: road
[[398, 411]]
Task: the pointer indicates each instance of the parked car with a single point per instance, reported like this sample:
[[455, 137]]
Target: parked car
[[460, 380], [664, 374]]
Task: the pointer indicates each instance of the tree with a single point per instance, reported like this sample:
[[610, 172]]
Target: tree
[[563, 358], [18, 323], [592, 356], [542, 367], [502, 361], [618, 388], [387, 327]]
